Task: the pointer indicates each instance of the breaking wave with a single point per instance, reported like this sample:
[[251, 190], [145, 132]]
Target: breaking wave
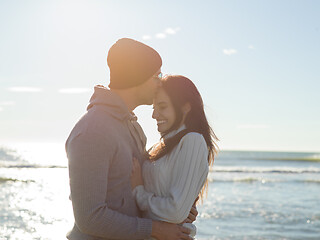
[[284, 170]]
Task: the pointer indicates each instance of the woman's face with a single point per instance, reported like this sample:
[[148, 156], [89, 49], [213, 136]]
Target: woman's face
[[163, 111]]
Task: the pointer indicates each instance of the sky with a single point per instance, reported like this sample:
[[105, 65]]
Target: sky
[[255, 63]]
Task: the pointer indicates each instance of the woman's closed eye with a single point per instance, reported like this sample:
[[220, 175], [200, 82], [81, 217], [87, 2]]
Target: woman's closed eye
[[162, 106]]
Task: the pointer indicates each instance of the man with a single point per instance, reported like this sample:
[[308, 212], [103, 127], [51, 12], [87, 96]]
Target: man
[[102, 144]]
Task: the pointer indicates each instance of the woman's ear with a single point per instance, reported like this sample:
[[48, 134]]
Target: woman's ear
[[186, 108]]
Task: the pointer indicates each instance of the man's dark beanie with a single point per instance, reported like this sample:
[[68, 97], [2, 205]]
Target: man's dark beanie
[[131, 63]]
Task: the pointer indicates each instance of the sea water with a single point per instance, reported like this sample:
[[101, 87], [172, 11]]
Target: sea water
[[252, 195]]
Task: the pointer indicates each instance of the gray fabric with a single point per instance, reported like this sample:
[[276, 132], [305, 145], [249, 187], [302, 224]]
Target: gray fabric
[[100, 150]]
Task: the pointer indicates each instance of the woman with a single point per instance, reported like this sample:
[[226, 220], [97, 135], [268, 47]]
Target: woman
[[178, 165]]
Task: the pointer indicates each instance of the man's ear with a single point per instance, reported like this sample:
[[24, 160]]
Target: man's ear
[[186, 108]]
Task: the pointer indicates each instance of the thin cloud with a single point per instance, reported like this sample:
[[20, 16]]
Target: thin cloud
[[25, 89], [74, 90], [171, 30], [253, 126], [229, 51], [251, 47], [161, 35], [146, 37], [7, 103]]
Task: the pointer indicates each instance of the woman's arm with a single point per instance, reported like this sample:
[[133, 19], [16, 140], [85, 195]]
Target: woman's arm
[[189, 173]]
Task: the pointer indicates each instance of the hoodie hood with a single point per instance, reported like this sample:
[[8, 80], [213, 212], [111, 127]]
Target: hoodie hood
[[110, 102]]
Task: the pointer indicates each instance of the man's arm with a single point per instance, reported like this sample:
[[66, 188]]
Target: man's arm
[[89, 162]]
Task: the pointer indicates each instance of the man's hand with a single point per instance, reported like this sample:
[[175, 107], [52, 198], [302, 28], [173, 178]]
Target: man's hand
[[169, 231], [193, 213]]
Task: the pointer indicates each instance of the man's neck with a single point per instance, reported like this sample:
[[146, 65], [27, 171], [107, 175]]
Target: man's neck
[[128, 96]]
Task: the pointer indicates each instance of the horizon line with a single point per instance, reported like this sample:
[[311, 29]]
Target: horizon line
[[222, 149]]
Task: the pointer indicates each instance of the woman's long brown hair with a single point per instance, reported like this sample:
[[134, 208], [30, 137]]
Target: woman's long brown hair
[[181, 90]]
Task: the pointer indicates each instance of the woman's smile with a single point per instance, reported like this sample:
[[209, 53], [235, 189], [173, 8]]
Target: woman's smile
[[161, 122]]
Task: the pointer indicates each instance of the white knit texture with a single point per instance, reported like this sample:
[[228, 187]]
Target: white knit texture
[[172, 183]]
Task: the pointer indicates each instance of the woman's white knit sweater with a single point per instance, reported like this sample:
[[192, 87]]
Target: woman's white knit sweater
[[173, 182]]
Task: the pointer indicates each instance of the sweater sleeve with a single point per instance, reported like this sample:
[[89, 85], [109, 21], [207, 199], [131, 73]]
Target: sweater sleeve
[[189, 173], [89, 162]]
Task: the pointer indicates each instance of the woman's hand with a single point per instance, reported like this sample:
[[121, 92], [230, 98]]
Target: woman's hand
[[136, 175]]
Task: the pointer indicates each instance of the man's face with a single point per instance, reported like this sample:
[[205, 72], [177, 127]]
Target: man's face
[[149, 88]]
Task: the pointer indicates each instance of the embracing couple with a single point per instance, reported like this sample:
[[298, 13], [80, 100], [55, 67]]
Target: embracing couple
[[118, 189]]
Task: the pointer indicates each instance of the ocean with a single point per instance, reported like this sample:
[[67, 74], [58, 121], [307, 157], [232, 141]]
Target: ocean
[[252, 195]]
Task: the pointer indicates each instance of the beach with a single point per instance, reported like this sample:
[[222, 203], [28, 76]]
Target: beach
[[252, 195]]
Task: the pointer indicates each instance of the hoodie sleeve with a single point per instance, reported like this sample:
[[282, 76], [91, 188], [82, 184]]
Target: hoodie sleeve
[[90, 159]]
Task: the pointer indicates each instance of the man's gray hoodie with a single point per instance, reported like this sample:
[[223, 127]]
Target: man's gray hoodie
[[100, 150]]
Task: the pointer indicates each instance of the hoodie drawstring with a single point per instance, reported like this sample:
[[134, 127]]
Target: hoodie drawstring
[[137, 133]]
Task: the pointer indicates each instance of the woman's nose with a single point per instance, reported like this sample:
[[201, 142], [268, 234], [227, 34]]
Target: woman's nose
[[154, 114]]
